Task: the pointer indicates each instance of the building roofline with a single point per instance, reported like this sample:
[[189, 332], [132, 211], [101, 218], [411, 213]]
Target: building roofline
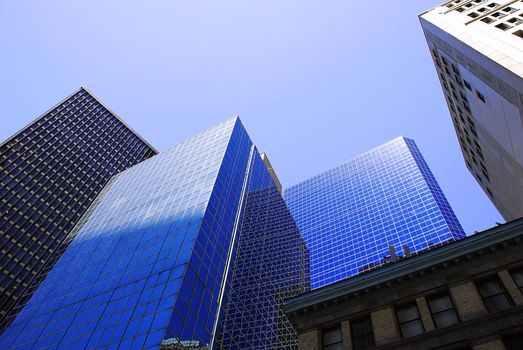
[[38, 118], [435, 7], [349, 160], [65, 99], [119, 118], [465, 246], [270, 169]]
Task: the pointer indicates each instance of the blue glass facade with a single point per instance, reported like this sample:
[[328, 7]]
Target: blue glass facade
[[271, 264], [50, 173], [152, 262], [351, 214]]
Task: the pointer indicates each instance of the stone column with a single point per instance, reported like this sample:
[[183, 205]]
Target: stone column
[[384, 325], [309, 340], [346, 336], [468, 302], [511, 287], [424, 312]]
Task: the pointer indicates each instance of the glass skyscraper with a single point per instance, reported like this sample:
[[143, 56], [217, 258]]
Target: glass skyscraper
[[50, 172], [272, 264], [352, 214], [165, 256]]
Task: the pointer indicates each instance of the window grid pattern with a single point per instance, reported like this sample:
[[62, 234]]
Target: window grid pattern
[[351, 214], [455, 89], [147, 264], [503, 15], [131, 276], [271, 265], [50, 172]]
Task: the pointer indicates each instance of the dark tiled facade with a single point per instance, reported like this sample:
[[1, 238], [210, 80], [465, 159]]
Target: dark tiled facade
[[50, 172]]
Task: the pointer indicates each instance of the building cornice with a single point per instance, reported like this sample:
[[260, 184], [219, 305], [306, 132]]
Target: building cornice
[[499, 237]]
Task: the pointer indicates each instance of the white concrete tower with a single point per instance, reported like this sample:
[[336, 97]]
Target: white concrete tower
[[477, 48]]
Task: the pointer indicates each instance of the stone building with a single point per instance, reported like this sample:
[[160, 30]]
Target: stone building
[[465, 295], [477, 49]]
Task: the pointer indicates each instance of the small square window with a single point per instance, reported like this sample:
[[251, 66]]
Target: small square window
[[503, 26], [518, 33], [467, 85], [487, 20], [480, 96]]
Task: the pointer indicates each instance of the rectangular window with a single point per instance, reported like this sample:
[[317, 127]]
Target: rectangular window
[[517, 276], [442, 310], [467, 85], [466, 105], [480, 96], [494, 294], [409, 320], [331, 339], [362, 333], [503, 26], [518, 33]]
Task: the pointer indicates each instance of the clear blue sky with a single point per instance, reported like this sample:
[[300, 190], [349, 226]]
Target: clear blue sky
[[315, 82]]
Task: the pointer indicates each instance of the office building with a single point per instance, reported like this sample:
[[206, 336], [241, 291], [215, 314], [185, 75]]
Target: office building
[[50, 173], [165, 258], [271, 266], [369, 210], [477, 49], [465, 295]]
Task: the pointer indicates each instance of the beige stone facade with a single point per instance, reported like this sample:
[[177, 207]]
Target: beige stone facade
[[462, 273]]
